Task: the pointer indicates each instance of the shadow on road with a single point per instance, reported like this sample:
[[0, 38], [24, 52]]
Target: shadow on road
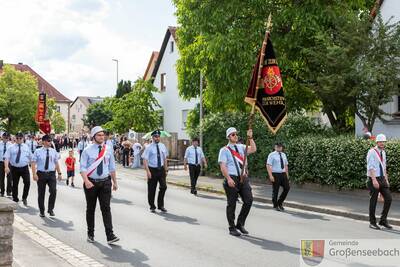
[[28, 210], [307, 216], [270, 245], [209, 197], [57, 223], [393, 231], [117, 254], [121, 201], [178, 218]]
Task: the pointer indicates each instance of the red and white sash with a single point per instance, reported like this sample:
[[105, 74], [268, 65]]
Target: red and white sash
[[239, 158], [380, 158], [99, 159]]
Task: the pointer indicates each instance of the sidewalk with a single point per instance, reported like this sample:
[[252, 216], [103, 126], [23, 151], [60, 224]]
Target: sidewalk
[[341, 203]]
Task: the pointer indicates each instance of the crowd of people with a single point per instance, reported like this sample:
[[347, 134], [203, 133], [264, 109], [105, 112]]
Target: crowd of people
[[99, 152]]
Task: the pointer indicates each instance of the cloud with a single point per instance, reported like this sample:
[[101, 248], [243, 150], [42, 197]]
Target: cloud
[[71, 43], [60, 45]]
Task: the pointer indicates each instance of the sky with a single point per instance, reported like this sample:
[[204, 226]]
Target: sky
[[71, 43]]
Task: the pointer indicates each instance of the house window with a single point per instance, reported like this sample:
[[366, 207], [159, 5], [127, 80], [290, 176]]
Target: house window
[[171, 47], [58, 108], [73, 118], [163, 79], [184, 118]]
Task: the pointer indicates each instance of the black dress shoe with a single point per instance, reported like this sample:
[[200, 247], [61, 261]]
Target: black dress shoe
[[152, 210], [112, 239], [242, 229], [386, 225], [278, 208], [41, 214], [25, 202], [51, 213], [374, 226], [2, 194], [195, 192], [162, 209], [90, 239], [281, 207], [234, 232]]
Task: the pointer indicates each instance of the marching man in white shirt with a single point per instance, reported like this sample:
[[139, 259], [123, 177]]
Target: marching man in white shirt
[[194, 156], [378, 182]]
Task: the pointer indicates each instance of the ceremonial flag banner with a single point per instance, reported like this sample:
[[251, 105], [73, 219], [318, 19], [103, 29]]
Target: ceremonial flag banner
[[44, 124], [266, 87], [41, 108]]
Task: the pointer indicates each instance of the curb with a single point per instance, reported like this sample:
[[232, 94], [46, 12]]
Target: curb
[[292, 204], [58, 248]]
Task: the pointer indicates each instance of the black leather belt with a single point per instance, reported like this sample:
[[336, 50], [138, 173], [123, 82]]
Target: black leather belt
[[50, 172], [194, 165], [99, 179]]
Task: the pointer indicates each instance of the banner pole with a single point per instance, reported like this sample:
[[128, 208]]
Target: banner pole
[[251, 117]]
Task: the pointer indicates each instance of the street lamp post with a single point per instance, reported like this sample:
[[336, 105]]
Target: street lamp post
[[116, 61], [201, 109]]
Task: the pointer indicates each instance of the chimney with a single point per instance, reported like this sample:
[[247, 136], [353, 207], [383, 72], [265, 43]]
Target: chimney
[[1, 64], [20, 63]]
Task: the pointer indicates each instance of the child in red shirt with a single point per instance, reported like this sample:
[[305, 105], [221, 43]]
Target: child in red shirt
[[70, 162]]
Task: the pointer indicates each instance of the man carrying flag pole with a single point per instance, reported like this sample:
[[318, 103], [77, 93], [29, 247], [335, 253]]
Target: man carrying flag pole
[[98, 170]]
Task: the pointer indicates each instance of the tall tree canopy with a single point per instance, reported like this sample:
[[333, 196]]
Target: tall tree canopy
[[222, 38], [99, 113], [18, 100], [124, 87], [135, 110]]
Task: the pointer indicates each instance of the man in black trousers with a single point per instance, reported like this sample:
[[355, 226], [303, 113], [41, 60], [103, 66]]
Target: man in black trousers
[[155, 163], [194, 156], [4, 186], [278, 172], [17, 160]]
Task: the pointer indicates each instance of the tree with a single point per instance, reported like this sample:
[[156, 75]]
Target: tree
[[56, 119], [379, 69], [124, 87], [18, 100], [222, 38], [135, 110], [98, 113]]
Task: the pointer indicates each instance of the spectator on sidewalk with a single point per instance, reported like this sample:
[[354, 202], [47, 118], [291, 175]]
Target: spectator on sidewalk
[[378, 182], [278, 173], [230, 159], [44, 166], [137, 148], [70, 162], [194, 156], [155, 164]]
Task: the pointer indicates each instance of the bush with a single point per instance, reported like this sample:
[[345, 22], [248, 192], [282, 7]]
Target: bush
[[314, 153]]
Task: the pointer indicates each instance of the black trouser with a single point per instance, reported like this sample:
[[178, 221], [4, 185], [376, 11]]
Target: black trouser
[[16, 173], [102, 191], [158, 175], [47, 178], [2, 180], [80, 155], [280, 179], [194, 172], [232, 193], [125, 157], [385, 192]]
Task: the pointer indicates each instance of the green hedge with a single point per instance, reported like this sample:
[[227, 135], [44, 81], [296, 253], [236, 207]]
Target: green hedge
[[315, 154]]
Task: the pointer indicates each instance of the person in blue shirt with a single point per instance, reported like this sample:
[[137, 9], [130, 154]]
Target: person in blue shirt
[[83, 143], [97, 168], [378, 183], [44, 166], [278, 173], [4, 145], [194, 156], [31, 143], [155, 163], [231, 159], [17, 160]]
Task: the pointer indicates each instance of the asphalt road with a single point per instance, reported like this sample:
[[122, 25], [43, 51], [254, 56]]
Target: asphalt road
[[193, 232]]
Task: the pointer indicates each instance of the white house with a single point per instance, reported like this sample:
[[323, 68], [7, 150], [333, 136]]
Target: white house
[[163, 72], [391, 128], [78, 111]]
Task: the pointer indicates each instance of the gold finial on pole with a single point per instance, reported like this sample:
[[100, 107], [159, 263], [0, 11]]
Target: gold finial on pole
[[268, 26]]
